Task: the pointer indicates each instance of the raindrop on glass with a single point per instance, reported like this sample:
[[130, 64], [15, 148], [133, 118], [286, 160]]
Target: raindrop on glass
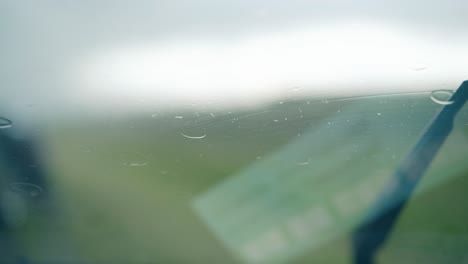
[[5, 123], [137, 164], [295, 89], [26, 188], [132, 159], [442, 97], [303, 163], [418, 68], [193, 137]]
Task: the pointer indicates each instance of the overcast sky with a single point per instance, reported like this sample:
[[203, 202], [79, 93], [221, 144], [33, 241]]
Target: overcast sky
[[172, 52]]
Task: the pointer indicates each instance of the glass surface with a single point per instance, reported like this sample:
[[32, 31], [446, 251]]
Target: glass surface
[[226, 131]]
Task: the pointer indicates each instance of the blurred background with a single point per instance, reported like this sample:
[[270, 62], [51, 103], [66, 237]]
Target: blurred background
[[225, 131]]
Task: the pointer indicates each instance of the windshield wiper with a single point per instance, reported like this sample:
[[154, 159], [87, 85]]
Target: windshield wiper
[[377, 225]]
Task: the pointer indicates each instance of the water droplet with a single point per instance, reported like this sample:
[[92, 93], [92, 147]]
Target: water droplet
[[276, 120], [132, 159], [26, 188], [193, 137], [419, 68], [295, 89], [5, 123], [178, 117], [442, 97], [137, 164], [86, 149], [212, 115], [285, 119], [379, 114], [303, 163], [281, 102]]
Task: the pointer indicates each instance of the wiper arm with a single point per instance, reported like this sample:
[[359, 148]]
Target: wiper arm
[[374, 230]]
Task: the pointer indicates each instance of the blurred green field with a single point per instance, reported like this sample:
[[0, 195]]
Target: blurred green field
[[124, 185]]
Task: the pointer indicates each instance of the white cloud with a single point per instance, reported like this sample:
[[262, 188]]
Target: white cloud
[[258, 68]]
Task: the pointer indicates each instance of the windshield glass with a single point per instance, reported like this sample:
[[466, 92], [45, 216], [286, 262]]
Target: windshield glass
[[228, 132]]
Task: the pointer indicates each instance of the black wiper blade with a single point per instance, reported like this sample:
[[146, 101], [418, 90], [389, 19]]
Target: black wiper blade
[[377, 225]]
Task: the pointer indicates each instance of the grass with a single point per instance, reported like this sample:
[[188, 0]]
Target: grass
[[109, 211]]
